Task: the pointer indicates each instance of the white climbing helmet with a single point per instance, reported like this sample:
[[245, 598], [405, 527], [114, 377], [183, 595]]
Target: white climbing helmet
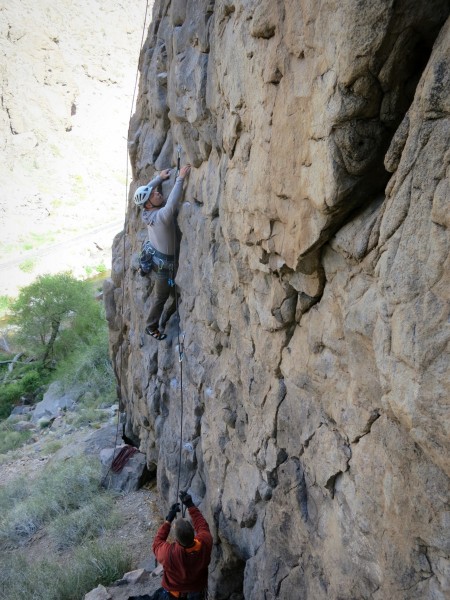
[[142, 194]]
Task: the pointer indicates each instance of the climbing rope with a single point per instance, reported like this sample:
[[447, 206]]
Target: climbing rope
[[180, 339], [123, 456], [124, 235]]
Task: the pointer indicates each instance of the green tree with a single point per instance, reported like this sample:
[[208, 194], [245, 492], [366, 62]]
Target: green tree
[[54, 314]]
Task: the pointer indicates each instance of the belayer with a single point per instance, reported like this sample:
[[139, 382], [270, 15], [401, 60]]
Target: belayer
[[185, 561], [158, 254]]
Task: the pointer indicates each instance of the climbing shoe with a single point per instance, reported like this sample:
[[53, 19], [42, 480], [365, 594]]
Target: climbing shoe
[[155, 333]]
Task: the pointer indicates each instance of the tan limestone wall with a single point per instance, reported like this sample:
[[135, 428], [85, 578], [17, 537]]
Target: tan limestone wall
[[313, 287]]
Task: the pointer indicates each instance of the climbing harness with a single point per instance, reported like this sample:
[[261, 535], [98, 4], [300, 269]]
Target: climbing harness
[[151, 259]]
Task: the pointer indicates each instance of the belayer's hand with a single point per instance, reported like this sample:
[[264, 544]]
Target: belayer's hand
[[173, 512], [186, 499], [165, 174], [184, 171]]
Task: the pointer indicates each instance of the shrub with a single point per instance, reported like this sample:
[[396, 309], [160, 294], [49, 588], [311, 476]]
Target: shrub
[[88, 522], [27, 265], [90, 566], [87, 416], [5, 303], [89, 367], [10, 439], [52, 447], [14, 492], [101, 268], [60, 489], [9, 395], [28, 381], [32, 379]]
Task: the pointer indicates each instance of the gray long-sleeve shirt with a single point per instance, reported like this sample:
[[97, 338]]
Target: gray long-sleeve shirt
[[160, 221]]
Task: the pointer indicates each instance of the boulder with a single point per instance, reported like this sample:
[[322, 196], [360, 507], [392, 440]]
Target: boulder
[[130, 477], [100, 593], [55, 401]]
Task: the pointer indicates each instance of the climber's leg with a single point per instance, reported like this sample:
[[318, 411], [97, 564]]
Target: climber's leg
[[161, 292], [170, 308]]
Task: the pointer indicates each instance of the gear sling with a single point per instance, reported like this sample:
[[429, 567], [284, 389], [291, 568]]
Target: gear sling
[[162, 264]]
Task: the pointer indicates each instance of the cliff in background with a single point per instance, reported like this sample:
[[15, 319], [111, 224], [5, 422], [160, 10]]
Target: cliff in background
[[66, 84], [314, 289]]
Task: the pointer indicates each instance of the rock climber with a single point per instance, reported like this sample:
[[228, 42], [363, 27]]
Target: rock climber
[[158, 253], [185, 561]]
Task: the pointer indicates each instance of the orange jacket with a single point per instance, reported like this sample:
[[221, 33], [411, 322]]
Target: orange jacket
[[185, 569]]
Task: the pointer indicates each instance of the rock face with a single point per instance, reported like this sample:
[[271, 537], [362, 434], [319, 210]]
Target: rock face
[[314, 291]]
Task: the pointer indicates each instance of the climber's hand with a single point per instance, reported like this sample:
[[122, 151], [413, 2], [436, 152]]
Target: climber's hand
[[184, 171], [186, 499], [173, 512], [165, 174]]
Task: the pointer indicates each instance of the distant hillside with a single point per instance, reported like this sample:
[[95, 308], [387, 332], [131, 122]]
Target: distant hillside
[[67, 76]]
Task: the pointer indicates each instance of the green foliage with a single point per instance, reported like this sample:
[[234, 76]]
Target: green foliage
[[10, 439], [54, 314], [9, 395], [84, 364], [101, 268], [5, 303], [87, 416], [51, 447], [58, 491], [86, 523], [91, 565], [28, 379], [67, 499], [89, 367], [27, 265], [32, 380], [15, 491]]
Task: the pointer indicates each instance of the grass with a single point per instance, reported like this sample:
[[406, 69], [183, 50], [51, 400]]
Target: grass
[[52, 447], [91, 565], [32, 241], [99, 269], [88, 522], [27, 266], [42, 239], [58, 491], [10, 439], [87, 416], [67, 504], [26, 379], [89, 367], [66, 497]]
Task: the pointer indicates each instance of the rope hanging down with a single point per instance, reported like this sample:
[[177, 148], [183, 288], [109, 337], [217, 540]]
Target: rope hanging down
[[180, 339], [144, 26]]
